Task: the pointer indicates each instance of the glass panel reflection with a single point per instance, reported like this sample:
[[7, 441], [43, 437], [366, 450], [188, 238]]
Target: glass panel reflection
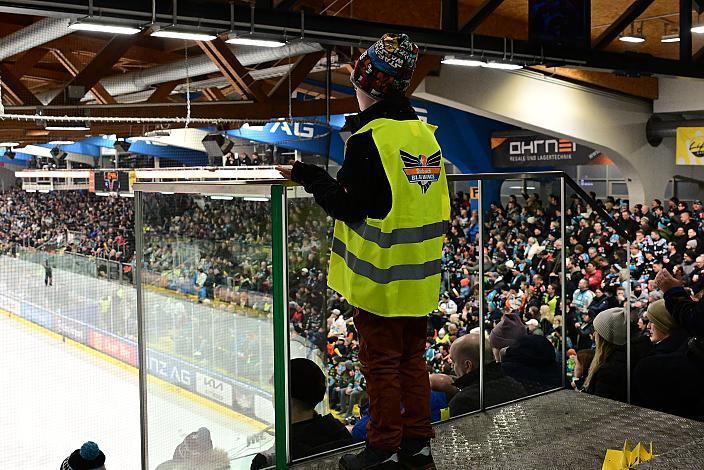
[[522, 250], [598, 283], [66, 332], [207, 282]]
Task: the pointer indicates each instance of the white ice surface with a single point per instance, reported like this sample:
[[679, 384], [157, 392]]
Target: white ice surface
[[55, 396]]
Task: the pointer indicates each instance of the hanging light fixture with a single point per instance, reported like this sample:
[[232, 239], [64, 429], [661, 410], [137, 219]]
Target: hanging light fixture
[[699, 27], [174, 31], [252, 38], [504, 63], [671, 34], [633, 37], [102, 25], [452, 60]]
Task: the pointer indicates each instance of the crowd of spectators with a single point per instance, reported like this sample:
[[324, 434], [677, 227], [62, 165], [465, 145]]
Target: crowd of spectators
[[81, 223], [521, 289]]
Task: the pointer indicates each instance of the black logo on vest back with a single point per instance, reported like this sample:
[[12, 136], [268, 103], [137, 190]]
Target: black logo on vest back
[[422, 169]]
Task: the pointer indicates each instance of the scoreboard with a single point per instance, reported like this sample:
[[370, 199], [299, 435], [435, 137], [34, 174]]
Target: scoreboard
[[111, 181]]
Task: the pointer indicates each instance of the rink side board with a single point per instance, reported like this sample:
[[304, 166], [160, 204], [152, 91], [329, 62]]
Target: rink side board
[[132, 368]]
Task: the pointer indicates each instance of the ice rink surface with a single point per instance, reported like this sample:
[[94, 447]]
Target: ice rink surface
[[56, 396]]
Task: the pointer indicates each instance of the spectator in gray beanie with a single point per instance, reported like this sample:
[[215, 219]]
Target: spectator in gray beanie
[[88, 457], [506, 333]]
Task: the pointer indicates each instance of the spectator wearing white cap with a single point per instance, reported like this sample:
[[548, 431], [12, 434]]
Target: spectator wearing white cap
[[608, 372]]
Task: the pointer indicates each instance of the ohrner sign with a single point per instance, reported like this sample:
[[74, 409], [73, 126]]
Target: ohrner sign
[[530, 149]]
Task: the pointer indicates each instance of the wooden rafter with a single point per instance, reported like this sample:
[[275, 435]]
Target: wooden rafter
[[627, 17], [99, 67], [448, 14], [230, 109], [299, 71], [70, 63], [231, 68], [28, 60], [79, 42], [286, 4], [162, 92], [15, 90], [214, 94], [481, 14]]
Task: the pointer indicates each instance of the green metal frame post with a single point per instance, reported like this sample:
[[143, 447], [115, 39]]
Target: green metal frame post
[[280, 257]]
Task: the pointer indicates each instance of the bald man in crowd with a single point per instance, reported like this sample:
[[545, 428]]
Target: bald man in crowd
[[498, 387]]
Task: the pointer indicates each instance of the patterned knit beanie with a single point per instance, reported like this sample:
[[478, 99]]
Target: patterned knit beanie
[[387, 67]]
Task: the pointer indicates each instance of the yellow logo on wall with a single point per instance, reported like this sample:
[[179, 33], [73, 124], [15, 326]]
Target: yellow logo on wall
[[690, 146]]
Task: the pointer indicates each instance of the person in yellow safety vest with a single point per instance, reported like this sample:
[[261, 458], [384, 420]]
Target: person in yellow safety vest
[[392, 208]]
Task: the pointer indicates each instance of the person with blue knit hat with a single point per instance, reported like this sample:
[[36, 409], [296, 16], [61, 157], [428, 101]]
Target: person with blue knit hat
[[88, 457], [391, 204]]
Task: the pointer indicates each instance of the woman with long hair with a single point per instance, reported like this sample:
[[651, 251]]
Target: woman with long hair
[[608, 372]]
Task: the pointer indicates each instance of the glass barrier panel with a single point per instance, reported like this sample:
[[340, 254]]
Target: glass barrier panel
[[208, 317], [598, 281], [521, 238], [321, 326], [454, 338], [60, 327]]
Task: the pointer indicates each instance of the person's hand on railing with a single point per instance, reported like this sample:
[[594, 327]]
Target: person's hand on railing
[[286, 170]]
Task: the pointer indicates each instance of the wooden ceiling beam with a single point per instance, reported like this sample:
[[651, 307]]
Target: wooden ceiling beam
[[449, 10], [298, 72], [627, 17], [15, 89], [227, 110], [162, 92], [79, 42], [214, 94], [481, 14], [70, 64], [99, 67], [232, 69], [28, 60]]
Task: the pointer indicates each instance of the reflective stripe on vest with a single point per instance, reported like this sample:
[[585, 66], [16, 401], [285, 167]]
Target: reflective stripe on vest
[[398, 272], [391, 266], [400, 235]]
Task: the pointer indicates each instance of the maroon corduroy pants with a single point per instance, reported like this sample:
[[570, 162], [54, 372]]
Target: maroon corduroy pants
[[391, 354]]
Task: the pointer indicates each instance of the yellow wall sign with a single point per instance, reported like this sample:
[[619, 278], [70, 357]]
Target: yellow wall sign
[[690, 146], [474, 192]]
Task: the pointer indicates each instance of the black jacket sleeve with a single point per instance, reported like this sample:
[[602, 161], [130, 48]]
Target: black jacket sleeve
[[688, 313], [361, 189]]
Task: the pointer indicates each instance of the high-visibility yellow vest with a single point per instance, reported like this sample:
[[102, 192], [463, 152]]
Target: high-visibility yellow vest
[[391, 266]]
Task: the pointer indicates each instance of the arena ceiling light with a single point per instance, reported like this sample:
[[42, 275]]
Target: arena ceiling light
[[251, 38], [668, 38], [102, 25], [61, 142], [501, 64], [175, 31], [699, 29], [633, 36], [451, 60], [9, 144]]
